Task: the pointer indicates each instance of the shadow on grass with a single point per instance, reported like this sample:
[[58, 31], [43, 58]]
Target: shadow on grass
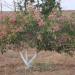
[[42, 67]]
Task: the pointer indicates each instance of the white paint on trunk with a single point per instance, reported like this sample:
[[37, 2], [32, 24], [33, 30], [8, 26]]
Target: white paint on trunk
[[27, 62]]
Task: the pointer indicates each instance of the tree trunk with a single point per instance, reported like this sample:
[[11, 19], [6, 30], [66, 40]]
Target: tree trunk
[[25, 5], [27, 62]]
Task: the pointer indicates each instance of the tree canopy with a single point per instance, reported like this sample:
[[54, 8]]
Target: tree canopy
[[53, 33]]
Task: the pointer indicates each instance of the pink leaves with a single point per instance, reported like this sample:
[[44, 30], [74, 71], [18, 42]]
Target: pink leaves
[[13, 21], [38, 18], [19, 29], [2, 34], [56, 28], [13, 18], [63, 38], [52, 15], [40, 23], [3, 31], [3, 16]]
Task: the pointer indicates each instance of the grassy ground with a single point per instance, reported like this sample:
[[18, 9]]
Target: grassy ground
[[47, 63]]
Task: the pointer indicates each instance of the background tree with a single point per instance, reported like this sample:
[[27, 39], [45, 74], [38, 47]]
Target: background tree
[[46, 5]]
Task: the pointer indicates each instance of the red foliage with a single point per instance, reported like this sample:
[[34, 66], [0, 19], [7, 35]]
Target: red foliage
[[13, 21], [40, 23], [3, 31], [3, 16], [19, 29], [2, 34]]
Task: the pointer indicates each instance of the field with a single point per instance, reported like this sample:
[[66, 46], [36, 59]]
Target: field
[[46, 63]]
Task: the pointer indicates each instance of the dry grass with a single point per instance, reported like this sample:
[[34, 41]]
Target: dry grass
[[47, 63]]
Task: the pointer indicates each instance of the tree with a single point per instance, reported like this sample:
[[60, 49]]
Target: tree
[[22, 4], [37, 31], [46, 5]]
